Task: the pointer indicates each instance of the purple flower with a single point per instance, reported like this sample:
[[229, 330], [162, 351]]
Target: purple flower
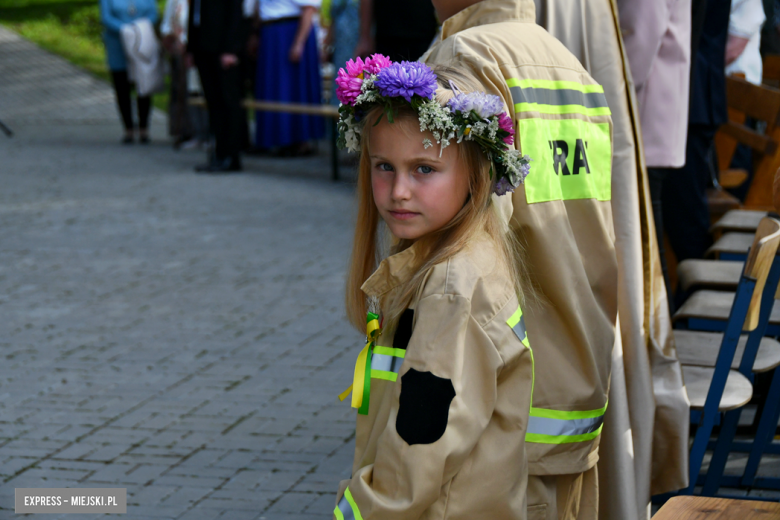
[[485, 105], [406, 79], [505, 124], [503, 186]]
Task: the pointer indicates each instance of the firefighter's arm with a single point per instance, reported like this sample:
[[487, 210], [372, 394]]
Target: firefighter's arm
[[443, 401]]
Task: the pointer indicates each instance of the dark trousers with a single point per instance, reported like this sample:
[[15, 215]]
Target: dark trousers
[[122, 91], [222, 89], [686, 216], [656, 177]]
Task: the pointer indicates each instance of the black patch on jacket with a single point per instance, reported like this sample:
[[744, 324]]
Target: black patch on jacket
[[403, 332], [424, 407]]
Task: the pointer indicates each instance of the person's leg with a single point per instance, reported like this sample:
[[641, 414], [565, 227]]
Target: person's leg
[[686, 215], [208, 69], [144, 106], [235, 121], [122, 91], [656, 177]]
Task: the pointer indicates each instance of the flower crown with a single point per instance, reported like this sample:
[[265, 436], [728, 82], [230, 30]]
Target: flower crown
[[475, 116]]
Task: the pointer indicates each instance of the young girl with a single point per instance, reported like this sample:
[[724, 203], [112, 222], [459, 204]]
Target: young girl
[[443, 387]]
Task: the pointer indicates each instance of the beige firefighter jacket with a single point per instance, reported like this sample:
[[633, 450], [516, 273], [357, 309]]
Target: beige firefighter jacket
[[562, 213], [449, 398]]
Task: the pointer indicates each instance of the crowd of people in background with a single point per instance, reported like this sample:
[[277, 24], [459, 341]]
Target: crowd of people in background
[[222, 52]]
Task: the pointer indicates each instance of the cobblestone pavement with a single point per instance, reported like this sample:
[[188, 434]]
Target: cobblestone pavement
[[175, 334]]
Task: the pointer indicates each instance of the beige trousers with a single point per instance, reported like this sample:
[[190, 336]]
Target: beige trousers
[[564, 497]]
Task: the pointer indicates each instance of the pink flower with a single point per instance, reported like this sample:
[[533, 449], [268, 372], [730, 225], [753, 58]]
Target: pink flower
[[348, 87], [349, 81], [356, 67], [505, 124], [376, 62]]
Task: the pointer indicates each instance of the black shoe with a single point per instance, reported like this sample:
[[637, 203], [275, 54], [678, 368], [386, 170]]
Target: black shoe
[[144, 139], [221, 166], [128, 139]]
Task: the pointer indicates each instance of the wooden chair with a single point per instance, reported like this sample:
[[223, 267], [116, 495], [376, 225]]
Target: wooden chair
[[761, 103], [714, 387]]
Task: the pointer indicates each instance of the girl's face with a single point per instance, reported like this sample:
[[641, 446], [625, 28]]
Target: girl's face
[[415, 190]]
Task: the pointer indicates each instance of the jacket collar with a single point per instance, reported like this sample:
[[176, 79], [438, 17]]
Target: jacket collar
[[487, 12], [393, 271]]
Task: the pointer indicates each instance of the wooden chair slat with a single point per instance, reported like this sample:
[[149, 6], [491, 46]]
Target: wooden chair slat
[[701, 349], [732, 177], [756, 101], [697, 381], [749, 137], [739, 220], [734, 243], [709, 274], [714, 305]]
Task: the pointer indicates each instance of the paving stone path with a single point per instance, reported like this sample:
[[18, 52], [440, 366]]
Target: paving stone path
[[175, 334]]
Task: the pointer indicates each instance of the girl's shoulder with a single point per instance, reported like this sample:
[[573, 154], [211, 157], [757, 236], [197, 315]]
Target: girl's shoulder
[[476, 273]]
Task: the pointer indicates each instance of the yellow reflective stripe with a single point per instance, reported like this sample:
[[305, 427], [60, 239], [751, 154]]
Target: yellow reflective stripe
[[514, 319], [554, 85], [355, 510], [517, 324], [383, 374], [572, 159], [541, 438], [390, 351], [562, 109], [568, 415], [562, 427], [337, 512]]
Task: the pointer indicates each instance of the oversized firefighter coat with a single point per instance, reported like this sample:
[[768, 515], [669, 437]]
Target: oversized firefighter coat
[[562, 213], [450, 392]]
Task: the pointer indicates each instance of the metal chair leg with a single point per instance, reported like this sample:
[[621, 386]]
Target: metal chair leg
[[720, 455], [766, 430]]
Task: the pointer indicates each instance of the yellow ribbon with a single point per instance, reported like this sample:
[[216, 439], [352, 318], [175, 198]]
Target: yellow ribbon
[[358, 382]]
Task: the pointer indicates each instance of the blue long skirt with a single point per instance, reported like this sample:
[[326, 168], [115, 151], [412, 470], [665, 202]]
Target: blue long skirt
[[278, 79]]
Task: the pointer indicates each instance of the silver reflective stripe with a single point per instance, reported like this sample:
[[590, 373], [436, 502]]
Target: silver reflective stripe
[[546, 96], [345, 509], [547, 426], [386, 363], [519, 329]]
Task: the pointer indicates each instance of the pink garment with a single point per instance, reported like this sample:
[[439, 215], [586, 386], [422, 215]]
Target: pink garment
[[657, 36]]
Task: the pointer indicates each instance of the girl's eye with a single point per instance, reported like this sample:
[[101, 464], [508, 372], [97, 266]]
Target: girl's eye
[[425, 169], [384, 167]]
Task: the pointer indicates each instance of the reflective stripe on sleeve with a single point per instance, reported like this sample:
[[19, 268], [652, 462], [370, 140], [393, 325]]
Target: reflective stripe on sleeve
[[346, 509], [558, 97], [386, 363], [547, 426], [517, 323]]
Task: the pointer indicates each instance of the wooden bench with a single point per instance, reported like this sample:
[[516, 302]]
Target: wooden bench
[[709, 508]]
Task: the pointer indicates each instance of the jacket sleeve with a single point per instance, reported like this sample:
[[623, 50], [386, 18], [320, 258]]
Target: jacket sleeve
[[443, 401], [111, 22]]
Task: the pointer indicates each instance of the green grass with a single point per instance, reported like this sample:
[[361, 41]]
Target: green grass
[[68, 28]]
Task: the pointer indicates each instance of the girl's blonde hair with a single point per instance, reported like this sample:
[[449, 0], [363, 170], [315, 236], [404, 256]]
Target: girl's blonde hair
[[477, 216]]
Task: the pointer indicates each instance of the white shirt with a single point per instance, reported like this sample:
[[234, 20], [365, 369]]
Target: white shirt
[[250, 8], [276, 9], [174, 19], [747, 17]]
